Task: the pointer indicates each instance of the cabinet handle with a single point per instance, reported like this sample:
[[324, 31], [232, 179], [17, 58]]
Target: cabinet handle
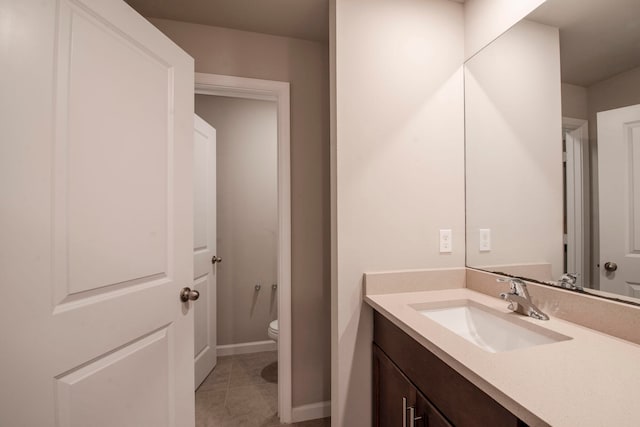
[[412, 414], [412, 417], [404, 412]]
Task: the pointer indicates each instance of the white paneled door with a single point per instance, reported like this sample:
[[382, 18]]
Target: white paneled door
[[96, 140], [619, 196], [205, 260]]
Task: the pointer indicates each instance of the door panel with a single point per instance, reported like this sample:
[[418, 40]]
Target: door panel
[[118, 379], [97, 113], [112, 159], [204, 247], [619, 199], [201, 326]]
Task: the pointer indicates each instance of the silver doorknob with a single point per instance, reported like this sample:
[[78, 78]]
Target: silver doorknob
[[610, 266], [186, 294], [215, 259]]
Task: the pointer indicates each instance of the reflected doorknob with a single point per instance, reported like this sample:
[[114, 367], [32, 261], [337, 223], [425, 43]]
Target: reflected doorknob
[[610, 266], [186, 294], [215, 259]]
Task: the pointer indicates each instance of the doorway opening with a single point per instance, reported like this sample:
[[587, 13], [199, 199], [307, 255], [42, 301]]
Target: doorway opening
[[261, 282]]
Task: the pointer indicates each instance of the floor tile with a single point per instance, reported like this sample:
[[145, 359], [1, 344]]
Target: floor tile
[[247, 369], [209, 405], [218, 379], [242, 391]]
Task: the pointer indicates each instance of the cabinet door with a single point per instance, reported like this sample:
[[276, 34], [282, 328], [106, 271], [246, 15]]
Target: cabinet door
[[428, 415], [392, 392], [396, 399]]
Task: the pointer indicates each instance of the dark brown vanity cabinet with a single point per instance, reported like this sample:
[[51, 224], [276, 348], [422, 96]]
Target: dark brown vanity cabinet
[[435, 394], [397, 402]]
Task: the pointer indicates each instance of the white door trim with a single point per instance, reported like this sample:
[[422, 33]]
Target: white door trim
[[577, 214], [241, 87]]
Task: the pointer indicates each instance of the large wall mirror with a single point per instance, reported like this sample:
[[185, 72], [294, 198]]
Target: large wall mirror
[[553, 148]]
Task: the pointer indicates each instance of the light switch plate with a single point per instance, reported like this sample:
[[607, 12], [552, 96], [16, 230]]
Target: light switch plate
[[446, 243]]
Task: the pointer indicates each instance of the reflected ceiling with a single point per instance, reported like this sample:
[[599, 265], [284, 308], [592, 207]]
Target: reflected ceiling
[[587, 29]]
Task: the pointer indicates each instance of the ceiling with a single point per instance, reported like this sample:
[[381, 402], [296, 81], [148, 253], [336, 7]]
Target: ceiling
[[598, 38], [304, 19]]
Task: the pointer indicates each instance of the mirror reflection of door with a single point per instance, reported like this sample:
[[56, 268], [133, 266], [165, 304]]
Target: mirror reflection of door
[[619, 195], [576, 142]]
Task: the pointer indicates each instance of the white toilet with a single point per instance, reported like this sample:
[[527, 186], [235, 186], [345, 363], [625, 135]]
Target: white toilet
[[273, 330]]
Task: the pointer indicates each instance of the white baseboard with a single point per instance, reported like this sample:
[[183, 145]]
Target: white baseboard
[[311, 411], [246, 347]]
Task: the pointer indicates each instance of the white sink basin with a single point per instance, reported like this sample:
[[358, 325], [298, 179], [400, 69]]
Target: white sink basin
[[489, 329]]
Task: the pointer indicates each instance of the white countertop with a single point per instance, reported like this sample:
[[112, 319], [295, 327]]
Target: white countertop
[[591, 380]]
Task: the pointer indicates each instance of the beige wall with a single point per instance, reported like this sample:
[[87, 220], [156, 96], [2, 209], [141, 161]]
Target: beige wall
[[247, 214], [305, 65], [618, 91], [485, 20], [514, 149], [399, 164], [574, 101]]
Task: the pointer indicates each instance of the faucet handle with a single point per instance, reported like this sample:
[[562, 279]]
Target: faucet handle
[[569, 281], [519, 299], [518, 287], [506, 296]]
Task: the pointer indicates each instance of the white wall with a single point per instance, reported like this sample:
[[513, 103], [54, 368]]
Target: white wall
[[514, 149], [485, 20], [305, 65], [399, 165], [247, 206]]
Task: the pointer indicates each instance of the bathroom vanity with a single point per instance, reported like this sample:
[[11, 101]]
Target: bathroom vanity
[[410, 383], [428, 374], [551, 122]]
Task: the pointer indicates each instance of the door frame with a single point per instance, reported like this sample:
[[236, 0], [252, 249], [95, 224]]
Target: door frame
[[270, 90], [578, 242]]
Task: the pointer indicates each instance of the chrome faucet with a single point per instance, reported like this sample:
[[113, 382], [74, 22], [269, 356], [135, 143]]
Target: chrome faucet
[[568, 281], [519, 299]]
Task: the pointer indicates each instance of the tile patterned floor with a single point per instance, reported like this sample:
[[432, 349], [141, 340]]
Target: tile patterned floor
[[243, 391]]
